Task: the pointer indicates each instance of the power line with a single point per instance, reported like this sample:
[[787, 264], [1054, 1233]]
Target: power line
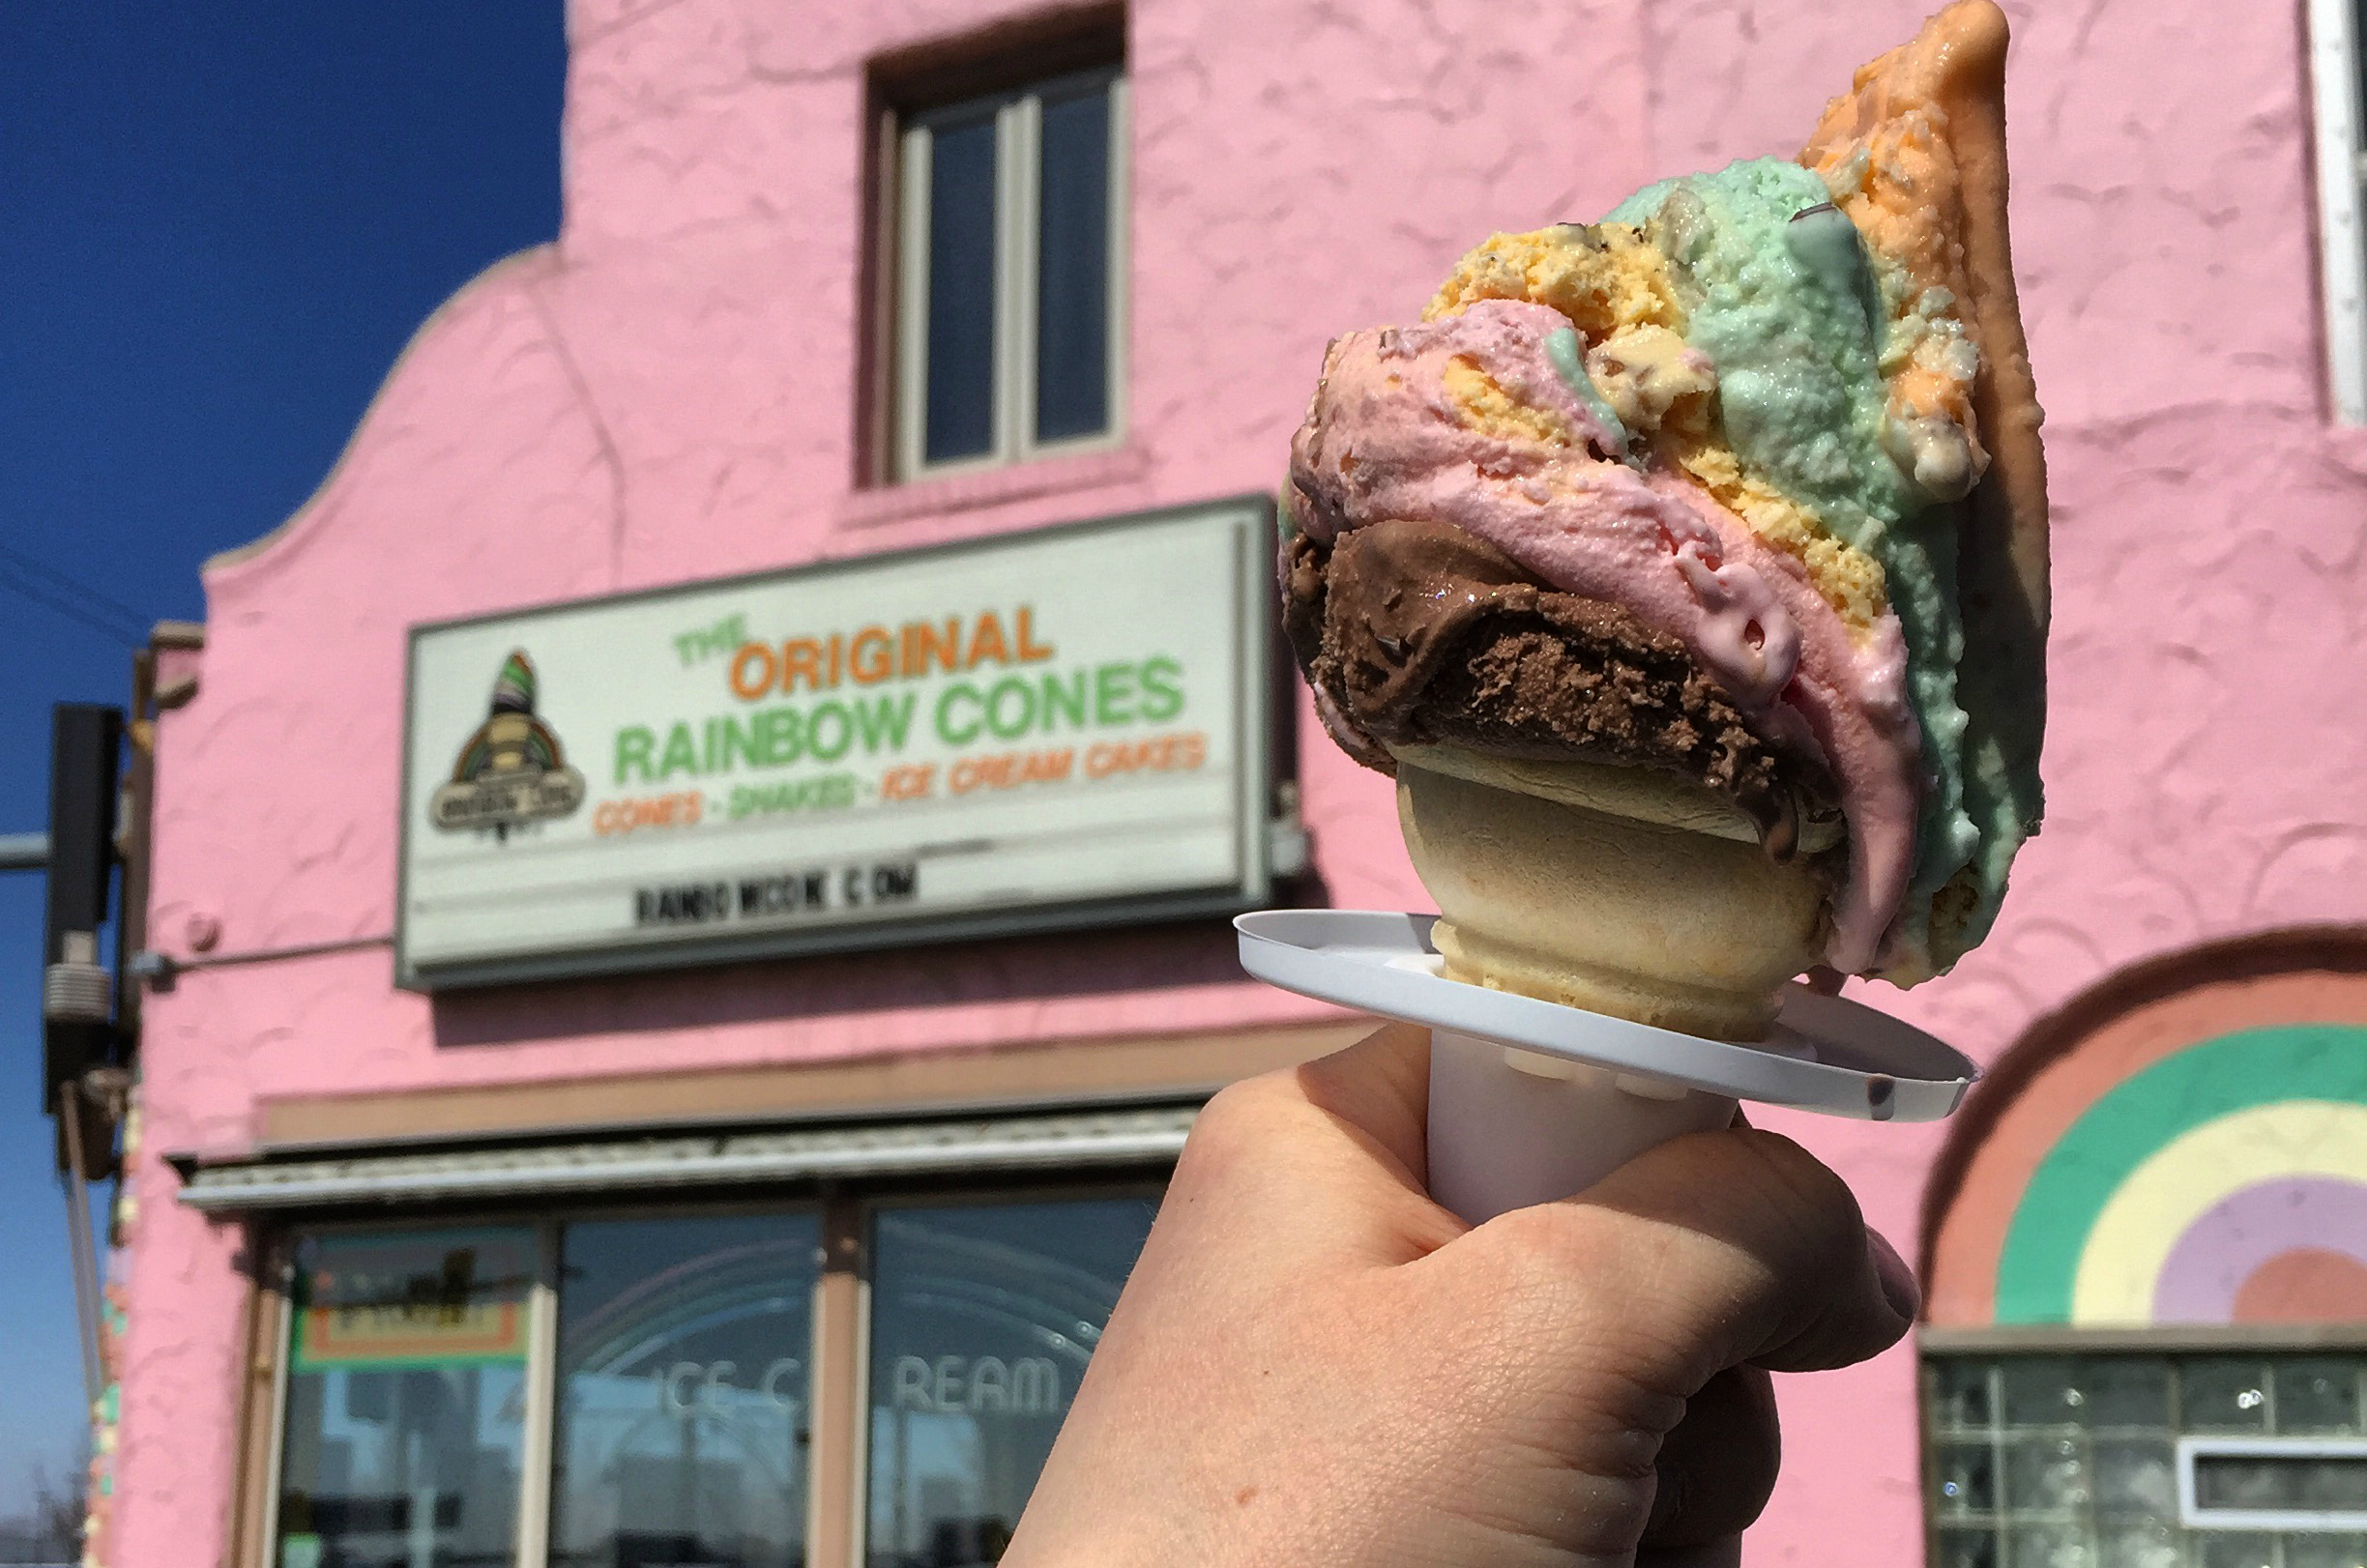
[[72, 599], [74, 586], [70, 610]]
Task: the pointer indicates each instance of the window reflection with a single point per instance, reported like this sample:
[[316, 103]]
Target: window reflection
[[683, 1391], [982, 1320], [406, 1410], [961, 291], [1072, 268]]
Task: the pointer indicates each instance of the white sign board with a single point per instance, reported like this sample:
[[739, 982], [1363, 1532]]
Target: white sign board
[[1036, 731]]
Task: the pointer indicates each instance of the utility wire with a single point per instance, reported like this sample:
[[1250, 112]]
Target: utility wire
[[70, 610], [74, 586], [72, 599]]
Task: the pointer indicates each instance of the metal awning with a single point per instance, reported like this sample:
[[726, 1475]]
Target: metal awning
[[1006, 1142]]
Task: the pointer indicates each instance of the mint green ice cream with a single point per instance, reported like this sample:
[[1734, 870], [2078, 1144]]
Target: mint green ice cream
[[1783, 298]]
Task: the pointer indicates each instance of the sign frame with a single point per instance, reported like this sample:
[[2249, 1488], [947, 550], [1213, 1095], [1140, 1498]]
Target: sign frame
[[1266, 738]]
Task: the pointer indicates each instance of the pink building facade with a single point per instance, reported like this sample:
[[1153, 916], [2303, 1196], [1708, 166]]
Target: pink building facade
[[2148, 1233]]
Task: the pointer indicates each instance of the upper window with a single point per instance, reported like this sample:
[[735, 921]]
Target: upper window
[[1009, 287]]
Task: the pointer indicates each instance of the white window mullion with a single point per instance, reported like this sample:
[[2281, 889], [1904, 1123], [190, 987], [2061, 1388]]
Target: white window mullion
[[541, 1403], [912, 301], [2334, 66], [1018, 136], [278, 1301], [2295, 1517], [1121, 252], [861, 1467]]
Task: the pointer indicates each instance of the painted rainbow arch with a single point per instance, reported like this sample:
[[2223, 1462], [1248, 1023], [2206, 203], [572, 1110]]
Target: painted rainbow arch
[[2225, 1183]]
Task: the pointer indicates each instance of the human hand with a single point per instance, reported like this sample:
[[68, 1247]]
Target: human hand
[[1315, 1365]]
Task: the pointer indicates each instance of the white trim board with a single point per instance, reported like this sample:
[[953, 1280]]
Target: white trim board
[[2334, 85]]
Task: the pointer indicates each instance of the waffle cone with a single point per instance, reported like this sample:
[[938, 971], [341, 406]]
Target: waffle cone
[[1618, 891]]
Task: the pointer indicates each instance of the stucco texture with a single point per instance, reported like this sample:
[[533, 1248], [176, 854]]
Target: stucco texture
[[669, 394]]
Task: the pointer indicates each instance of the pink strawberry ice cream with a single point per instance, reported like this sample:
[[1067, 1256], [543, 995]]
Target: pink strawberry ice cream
[[1549, 485]]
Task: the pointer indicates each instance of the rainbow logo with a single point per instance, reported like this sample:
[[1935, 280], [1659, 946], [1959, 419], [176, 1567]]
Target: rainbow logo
[[512, 770], [2222, 1183]]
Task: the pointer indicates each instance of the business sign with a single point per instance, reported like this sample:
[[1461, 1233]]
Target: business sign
[[1036, 731], [387, 1301]]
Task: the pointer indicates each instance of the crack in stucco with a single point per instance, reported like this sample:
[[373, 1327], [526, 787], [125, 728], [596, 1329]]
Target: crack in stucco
[[617, 24], [612, 457], [674, 106]]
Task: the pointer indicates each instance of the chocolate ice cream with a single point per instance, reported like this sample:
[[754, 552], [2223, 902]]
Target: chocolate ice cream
[[1419, 634]]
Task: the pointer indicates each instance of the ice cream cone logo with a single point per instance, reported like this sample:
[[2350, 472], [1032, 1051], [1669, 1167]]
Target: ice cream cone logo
[[512, 770]]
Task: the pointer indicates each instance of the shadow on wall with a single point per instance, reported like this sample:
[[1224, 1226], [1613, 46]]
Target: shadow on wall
[[1088, 963]]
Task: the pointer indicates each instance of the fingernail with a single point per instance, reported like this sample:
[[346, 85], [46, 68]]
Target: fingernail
[[1898, 1281]]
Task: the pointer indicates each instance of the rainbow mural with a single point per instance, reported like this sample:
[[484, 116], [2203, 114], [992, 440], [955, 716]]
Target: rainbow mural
[[2222, 1182]]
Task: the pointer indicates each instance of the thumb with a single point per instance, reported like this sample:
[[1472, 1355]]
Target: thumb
[[1764, 1253], [1747, 1251]]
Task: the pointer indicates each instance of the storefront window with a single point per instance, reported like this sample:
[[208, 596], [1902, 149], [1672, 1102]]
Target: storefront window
[[681, 1432], [982, 1320], [406, 1400], [638, 1390], [2075, 1461]]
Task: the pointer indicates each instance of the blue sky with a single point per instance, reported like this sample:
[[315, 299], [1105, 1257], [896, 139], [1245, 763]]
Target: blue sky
[[219, 224]]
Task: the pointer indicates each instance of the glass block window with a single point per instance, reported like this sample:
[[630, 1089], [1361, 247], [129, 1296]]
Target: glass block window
[[2073, 1461], [1009, 289]]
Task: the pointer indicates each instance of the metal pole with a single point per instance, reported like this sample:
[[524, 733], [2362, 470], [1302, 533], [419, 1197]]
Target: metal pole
[[85, 1256], [24, 852]]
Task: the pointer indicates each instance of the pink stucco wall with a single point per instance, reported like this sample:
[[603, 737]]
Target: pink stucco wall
[[668, 393]]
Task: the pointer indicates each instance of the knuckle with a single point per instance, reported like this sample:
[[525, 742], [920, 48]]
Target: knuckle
[[1231, 1133], [1818, 1213], [1240, 1111], [1560, 1280], [1545, 1247], [1227, 1105]]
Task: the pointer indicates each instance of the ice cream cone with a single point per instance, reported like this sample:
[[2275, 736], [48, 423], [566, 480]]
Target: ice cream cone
[[1618, 891], [1736, 494]]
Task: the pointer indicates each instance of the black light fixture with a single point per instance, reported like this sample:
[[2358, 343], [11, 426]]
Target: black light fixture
[[77, 991]]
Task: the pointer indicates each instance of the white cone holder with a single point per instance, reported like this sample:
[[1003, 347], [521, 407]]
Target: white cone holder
[[1531, 1101]]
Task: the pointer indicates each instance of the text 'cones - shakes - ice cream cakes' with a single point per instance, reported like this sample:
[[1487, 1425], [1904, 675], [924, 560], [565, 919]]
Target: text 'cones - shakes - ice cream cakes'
[[1689, 568]]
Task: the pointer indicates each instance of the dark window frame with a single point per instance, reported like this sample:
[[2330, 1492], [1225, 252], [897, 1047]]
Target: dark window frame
[[908, 89]]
